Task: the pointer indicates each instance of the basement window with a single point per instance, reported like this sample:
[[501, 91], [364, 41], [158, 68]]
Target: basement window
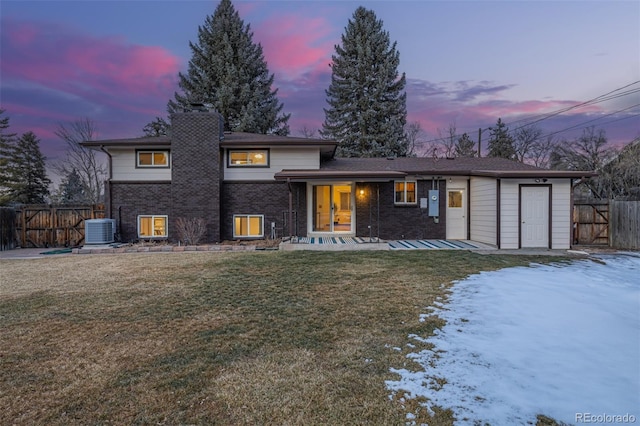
[[248, 158], [152, 158], [405, 192], [248, 226], [152, 226]]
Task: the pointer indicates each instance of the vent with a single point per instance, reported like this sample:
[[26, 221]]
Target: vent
[[99, 231]]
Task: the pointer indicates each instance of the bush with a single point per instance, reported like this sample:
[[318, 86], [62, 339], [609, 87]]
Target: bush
[[191, 230]]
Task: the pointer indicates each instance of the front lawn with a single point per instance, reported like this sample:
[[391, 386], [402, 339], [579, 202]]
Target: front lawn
[[218, 338]]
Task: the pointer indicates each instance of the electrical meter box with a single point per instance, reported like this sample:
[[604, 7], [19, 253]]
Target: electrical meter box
[[434, 203]]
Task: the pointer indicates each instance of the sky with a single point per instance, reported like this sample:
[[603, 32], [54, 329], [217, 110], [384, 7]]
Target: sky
[[467, 63], [562, 340]]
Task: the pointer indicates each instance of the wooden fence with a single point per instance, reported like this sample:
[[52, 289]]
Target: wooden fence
[[624, 224], [591, 222], [7, 228], [607, 223], [53, 226]]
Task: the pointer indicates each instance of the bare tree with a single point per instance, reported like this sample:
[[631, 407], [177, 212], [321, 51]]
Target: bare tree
[[415, 139], [588, 152], [307, 132], [447, 141], [87, 164], [524, 139], [540, 151]]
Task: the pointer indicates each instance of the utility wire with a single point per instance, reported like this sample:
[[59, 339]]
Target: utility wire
[[538, 118]]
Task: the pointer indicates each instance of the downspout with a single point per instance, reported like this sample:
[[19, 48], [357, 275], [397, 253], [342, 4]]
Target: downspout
[[574, 230], [498, 221], [290, 208], [107, 192]]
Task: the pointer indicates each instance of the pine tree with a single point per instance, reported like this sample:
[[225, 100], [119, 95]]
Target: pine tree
[[465, 147], [228, 72], [158, 127], [71, 190], [500, 142], [26, 178], [367, 103], [7, 148]]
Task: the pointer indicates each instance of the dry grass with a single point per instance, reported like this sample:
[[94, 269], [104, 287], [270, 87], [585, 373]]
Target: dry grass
[[218, 338]]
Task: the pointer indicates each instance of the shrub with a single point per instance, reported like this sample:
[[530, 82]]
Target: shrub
[[191, 230]]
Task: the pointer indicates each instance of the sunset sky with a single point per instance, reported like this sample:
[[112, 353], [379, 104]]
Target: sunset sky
[[466, 62]]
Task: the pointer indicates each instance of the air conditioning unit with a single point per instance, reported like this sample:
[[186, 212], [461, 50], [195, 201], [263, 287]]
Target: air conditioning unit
[[99, 231]]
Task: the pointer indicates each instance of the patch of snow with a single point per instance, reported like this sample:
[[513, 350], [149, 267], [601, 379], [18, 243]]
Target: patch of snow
[[561, 340]]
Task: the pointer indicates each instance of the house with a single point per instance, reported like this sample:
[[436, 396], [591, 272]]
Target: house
[[249, 186]]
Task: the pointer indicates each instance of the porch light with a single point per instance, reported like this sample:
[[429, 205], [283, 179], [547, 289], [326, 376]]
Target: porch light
[[362, 192]]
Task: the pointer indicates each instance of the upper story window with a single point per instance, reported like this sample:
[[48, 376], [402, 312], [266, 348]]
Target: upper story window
[[405, 192], [248, 158], [152, 158]]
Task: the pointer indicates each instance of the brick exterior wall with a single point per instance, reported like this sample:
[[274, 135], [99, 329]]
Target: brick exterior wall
[[270, 199], [397, 222], [130, 199], [197, 190], [196, 169]]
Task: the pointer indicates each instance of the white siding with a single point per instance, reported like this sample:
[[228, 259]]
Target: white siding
[[560, 212], [279, 159], [483, 210], [509, 213], [123, 163]]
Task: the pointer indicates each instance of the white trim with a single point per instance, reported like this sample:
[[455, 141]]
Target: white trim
[[405, 202], [167, 155], [249, 234], [153, 218]]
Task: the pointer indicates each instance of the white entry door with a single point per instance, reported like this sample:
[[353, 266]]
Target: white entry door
[[456, 214], [534, 216]]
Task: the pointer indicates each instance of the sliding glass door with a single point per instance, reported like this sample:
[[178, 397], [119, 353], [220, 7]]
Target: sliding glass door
[[332, 208]]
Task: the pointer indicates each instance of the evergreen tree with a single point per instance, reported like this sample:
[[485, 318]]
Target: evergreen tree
[[7, 148], [367, 103], [500, 142], [26, 178], [71, 190], [228, 72], [465, 147], [158, 127]]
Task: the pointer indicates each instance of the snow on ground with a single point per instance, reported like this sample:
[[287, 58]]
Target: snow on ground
[[561, 340]]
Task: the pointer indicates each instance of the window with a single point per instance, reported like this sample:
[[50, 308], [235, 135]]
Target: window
[[152, 158], [455, 199], [405, 192], [248, 226], [248, 158], [152, 226]]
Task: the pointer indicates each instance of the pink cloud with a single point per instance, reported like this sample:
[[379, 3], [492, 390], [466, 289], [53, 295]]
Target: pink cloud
[[295, 45], [97, 69]]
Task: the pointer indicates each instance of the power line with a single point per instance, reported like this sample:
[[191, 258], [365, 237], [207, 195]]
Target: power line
[[541, 117]]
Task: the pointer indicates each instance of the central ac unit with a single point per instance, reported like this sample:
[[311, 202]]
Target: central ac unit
[[99, 231]]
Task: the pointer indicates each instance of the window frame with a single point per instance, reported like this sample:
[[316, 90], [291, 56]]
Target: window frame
[[248, 217], [248, 151], [153, 218], [153, 152], [404, 201]]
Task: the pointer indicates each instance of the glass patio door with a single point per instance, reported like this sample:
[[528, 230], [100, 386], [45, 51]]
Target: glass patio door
[[332, 208]]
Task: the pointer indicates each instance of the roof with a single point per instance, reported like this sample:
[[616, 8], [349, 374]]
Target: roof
[[252, 140], [398, 168], [231, 140], [145, 141]]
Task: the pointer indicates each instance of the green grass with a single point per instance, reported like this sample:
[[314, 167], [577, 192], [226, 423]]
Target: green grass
[[223, 338]]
